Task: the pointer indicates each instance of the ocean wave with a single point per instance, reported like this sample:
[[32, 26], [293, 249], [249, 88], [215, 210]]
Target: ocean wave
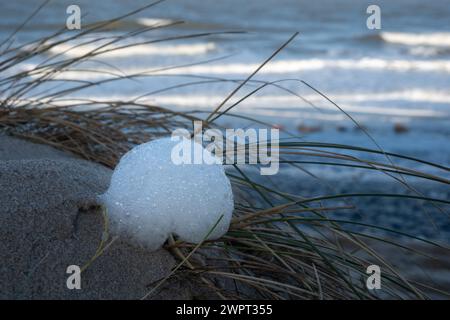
[[438, 39], [72, 50], [425, 51], [409, 96], [292, 103], [277, 104], [150, 22], [295, 66], [412, 96], [283, 67]]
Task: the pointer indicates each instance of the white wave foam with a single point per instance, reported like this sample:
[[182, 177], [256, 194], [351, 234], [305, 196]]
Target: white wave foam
[[439, 39], [150, 22], [413, 95], [284, 67], [284, 104], [72, 50], [425, 51], [290, 102], [294, 66]]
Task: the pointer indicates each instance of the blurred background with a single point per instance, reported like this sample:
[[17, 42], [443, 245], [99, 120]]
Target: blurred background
[[394, 81]]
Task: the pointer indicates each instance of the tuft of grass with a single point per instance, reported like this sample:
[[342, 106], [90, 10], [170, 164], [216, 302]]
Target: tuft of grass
[[280, 245]]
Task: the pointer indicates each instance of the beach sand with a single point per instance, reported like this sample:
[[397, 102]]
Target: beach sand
[[48, 222]]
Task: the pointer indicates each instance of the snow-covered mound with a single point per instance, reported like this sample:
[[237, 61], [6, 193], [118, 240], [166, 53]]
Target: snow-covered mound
[[151, 197]]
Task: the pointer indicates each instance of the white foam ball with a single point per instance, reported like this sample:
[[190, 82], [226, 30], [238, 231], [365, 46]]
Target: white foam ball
[[151, 197]]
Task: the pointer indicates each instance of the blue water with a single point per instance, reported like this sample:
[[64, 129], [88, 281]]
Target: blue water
[[399, 73]]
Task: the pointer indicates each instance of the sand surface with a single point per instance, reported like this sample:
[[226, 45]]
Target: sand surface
[[47, 223]]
